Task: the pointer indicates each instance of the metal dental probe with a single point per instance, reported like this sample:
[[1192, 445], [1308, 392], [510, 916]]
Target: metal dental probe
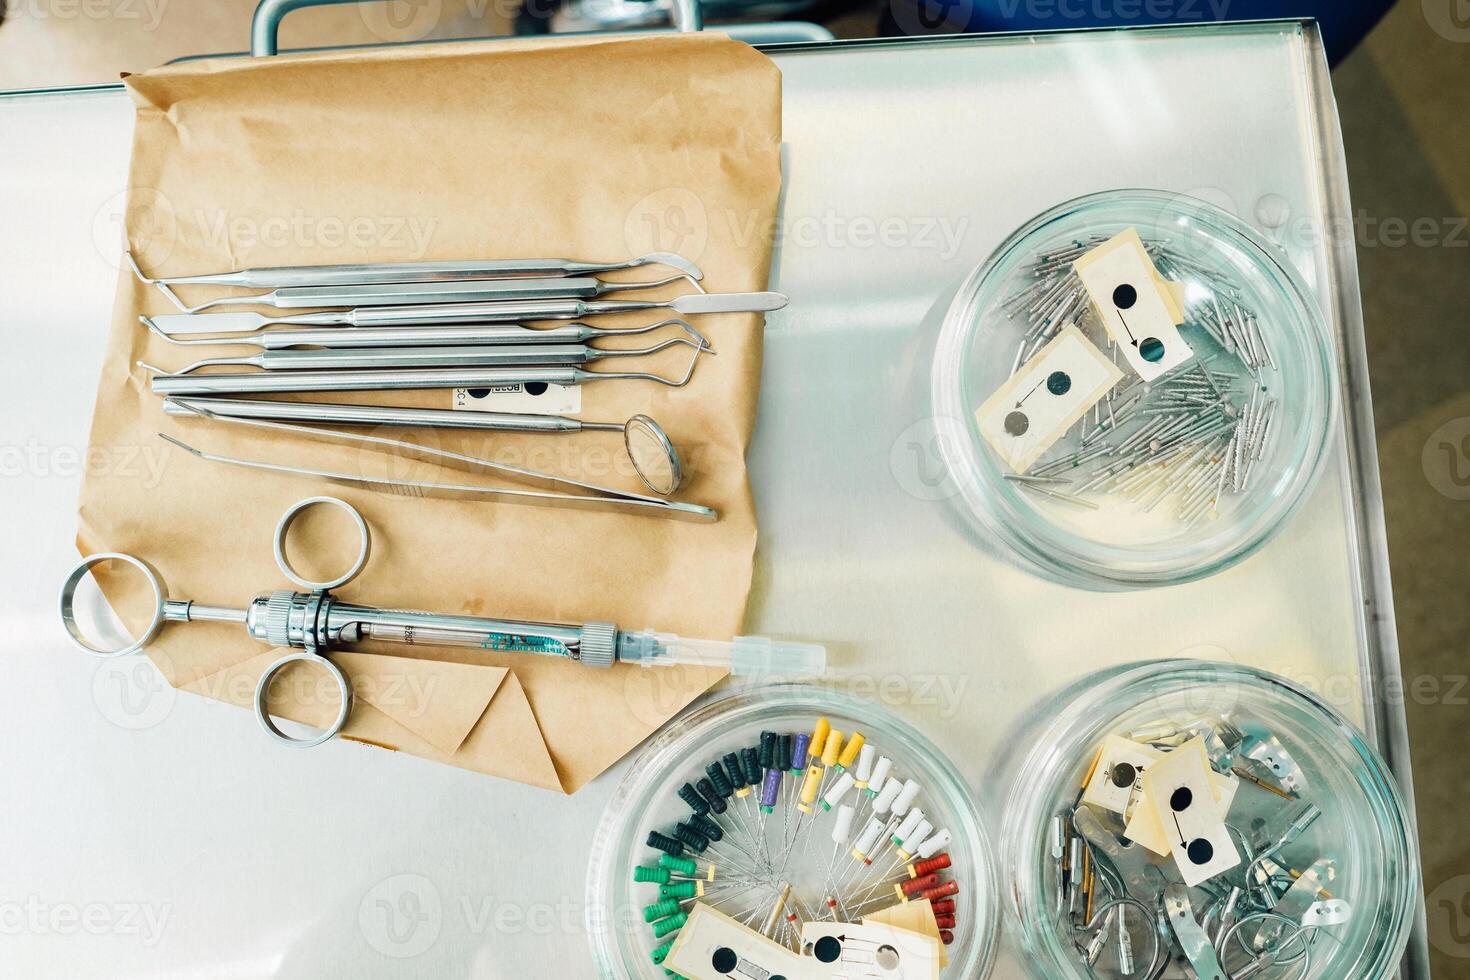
[[490, 312], [352, 359], [272, 277], [394, 380], [420, 293], [425, 336]]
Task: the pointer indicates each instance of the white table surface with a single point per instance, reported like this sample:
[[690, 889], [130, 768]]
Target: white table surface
[[155, 834]]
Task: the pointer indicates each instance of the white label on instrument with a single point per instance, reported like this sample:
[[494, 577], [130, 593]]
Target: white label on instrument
[[1130, 296], [521, 399], [1143, 823], [868, 951], [1181, 792], [1119, 767], [713, 946], [1045, 398]]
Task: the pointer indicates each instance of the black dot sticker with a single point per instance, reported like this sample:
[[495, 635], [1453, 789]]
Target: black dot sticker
[[724, 960], [1200, 851], [1151, 349], [535, 387], [477, 392], [1124, 774], [827, 949], [1181, 800], [1059, 382], [1017, 423], [1125, 296]]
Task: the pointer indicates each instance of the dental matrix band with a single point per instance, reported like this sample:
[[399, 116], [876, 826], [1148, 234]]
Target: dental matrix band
[[754, 843]]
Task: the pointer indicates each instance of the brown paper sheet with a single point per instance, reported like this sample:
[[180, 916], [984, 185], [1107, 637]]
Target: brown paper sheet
[[596, 149]]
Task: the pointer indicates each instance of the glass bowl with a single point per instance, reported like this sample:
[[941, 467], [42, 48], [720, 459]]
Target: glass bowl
[[1360, 850], [1162, 481], [624, 944]]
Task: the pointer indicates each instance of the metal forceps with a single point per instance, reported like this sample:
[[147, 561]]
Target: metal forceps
[[649, 448], [315, 621]]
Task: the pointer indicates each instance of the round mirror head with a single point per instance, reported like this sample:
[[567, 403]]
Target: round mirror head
[[653, 455], [94, 622]]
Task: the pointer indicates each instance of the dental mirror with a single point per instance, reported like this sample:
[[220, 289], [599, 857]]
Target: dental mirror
[[653, 454]]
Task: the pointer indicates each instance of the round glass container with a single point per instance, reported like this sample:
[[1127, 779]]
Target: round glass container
[[1163, 481], [1360, 849], [623, 943]]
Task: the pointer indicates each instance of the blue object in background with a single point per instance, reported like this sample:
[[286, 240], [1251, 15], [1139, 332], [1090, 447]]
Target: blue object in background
[[1343, 22]]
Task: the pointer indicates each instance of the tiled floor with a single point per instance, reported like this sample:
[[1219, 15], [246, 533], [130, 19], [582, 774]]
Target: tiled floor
[[1402, 97]]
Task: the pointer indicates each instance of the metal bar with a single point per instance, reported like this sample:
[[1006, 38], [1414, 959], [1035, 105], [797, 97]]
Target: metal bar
[[265, 25]]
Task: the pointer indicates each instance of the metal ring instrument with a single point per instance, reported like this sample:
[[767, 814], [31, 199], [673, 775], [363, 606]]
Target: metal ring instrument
[[315, 622]]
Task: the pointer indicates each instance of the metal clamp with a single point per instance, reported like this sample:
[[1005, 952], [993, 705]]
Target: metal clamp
[[265, 26]]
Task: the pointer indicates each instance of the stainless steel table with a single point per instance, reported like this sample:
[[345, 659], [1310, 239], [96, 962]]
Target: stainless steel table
[[156, 835]]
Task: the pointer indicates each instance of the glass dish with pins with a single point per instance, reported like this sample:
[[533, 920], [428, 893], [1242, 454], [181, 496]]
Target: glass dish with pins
[[792, 831], [1134, 390], [1209, 817]]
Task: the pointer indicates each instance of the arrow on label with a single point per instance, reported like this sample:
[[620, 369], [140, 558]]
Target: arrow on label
[[1022, 400], [1124, 320]]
